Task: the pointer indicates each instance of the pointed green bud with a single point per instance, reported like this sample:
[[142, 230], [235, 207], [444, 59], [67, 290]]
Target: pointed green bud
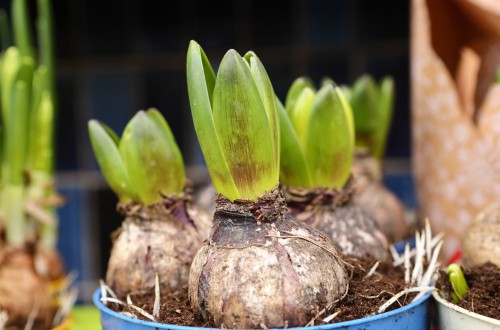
[[294, 170], [295, 90], [299, 113], [105, 145], [236, 122], [268, 98], [243, 128], [331, 162], [201, 82], [364, 103], [151, 157], [372, 106], [317, 138], [458, 282], [386, 106]]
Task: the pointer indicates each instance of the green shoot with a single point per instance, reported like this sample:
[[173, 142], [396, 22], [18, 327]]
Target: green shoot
[[458, 282], [372, 106], [317, 136], [236, 121], [145, 164]]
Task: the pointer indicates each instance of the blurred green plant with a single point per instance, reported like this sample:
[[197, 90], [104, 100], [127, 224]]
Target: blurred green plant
[[372, 106], [317, 136], [27, 91], [458, 282]]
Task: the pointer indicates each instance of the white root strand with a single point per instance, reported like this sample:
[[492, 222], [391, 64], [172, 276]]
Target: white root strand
[[113, 300], [104, 294], [407, 263], [428, 236], [372, 270], [143, 312], [400, 259], [426, 279], [329, 318], [156, 305], [401, 293]]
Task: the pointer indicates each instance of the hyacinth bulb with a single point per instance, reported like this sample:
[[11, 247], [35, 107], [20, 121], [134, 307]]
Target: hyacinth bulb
[[162, 230], [259, 266]]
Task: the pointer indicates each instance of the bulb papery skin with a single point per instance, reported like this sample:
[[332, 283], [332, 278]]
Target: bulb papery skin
[[481, 242], [160, 238], [262, 268], [349, 227], [378, 201], [20, 280]]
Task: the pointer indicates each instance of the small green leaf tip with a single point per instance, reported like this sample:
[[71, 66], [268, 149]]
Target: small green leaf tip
[[236, 122], [145, 164], [458, 282], [317, 136], [372, 106]]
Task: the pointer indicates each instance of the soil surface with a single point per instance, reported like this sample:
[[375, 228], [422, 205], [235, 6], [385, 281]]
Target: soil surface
[[483, 296], [365, 296]]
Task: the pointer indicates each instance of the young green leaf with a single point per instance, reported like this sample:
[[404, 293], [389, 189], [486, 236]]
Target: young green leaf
[[11, 63], [364, 103], [386, 106], [295, 90], [330, 163], [151, 159], [41, 148], [105, 146], [16, 134], [243, 128], [22, 28], [268, 98], [201, 82], [348, 113], [175, 161], [458, 282], [300, 112], [294, 170]]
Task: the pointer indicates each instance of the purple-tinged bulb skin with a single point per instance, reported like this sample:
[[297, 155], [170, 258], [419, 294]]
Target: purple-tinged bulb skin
[[161, 238], [351, 229], [261, 267], [378, 201]]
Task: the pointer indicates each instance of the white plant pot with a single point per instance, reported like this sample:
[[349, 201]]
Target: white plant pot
[[453, 317]]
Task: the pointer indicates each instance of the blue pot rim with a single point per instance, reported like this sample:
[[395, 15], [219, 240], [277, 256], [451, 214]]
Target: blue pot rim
[[104, 309]]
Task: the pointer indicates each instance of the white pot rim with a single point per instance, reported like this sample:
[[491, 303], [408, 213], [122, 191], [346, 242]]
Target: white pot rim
[[459, 309]]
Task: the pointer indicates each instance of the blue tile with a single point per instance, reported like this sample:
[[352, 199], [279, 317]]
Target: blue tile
[[404, 187]]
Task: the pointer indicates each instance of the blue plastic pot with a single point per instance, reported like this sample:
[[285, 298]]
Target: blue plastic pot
[[400, 245], [411, 317]]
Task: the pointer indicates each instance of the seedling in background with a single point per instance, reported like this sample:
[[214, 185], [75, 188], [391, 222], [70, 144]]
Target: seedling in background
[[458, 282], [372, 106], [317, 142]]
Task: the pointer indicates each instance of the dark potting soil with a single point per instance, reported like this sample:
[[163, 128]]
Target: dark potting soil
[[364, 298], [483, 296]]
